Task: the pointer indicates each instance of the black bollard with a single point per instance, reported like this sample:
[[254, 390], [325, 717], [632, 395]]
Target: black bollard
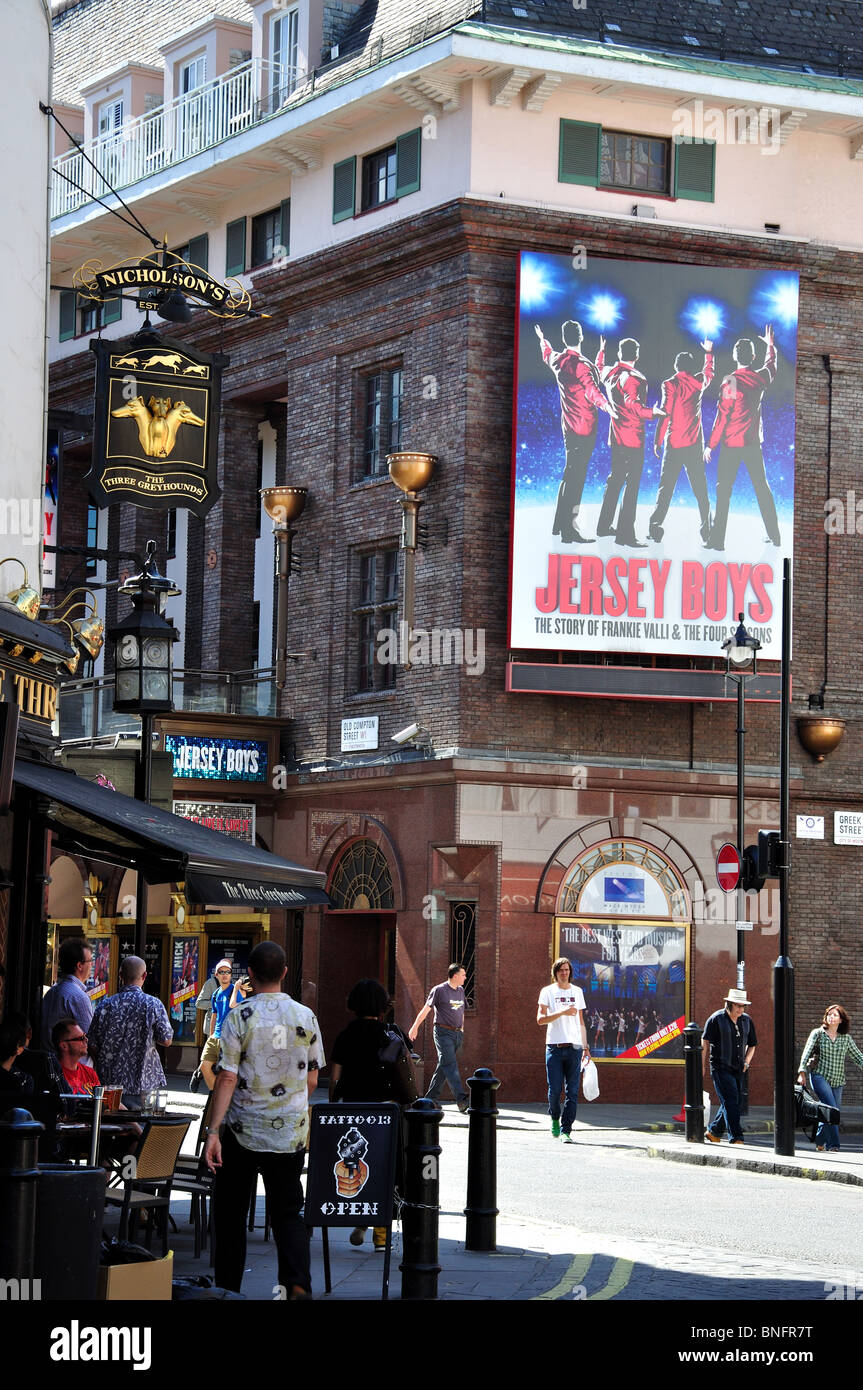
[[694, 1081], [19, 1176], [481, 1209], [421, 1208]]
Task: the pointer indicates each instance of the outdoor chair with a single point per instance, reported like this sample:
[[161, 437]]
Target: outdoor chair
[[150, 1188]]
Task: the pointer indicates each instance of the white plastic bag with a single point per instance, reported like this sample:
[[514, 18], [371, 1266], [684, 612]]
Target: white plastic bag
[[589, 1080], [705, 1100]]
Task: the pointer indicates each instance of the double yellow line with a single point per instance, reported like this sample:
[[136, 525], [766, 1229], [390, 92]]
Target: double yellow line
[[576, 1275]]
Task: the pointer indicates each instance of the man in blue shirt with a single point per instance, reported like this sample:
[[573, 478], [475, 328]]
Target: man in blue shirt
[[68, 999]]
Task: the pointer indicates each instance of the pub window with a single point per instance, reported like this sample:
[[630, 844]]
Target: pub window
[[599, 158], [462, 944], [376, 608], [92, 536], [171, 534], [383, 407], [271, 234], [79, 316], [386, 175]]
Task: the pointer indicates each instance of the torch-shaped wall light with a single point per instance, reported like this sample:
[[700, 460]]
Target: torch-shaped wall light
[[283, 505], [410, 473]]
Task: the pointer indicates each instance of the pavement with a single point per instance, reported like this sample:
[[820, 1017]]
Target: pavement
[[540, 1260]]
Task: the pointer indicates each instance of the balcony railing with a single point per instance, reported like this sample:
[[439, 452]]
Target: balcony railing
[[204, 117], [87, 706]]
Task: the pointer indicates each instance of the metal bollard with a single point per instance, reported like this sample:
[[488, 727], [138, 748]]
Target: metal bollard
[[19, 1176], [481, 1209], [694, 1081], [421, 1208]]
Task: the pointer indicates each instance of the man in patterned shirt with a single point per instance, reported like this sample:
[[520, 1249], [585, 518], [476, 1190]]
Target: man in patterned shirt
[[271, 1055], [124, 1032]]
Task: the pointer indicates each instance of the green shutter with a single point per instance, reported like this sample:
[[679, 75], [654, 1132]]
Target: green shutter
[[408, 162], [68, 309], [344, 188], [199, 251], [694, 169], [285, 225], [112, 310], [580, 153], [235, 247]]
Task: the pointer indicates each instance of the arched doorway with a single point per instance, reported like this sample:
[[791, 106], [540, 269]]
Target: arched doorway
[[624, 920], [358, 937]]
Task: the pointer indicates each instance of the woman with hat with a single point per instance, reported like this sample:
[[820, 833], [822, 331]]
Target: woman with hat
[[729, 1043], [823, 1060]]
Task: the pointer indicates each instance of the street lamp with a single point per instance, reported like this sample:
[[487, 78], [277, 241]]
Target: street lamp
[[283, 505], [411, 472], [143, 682], [741, 661]]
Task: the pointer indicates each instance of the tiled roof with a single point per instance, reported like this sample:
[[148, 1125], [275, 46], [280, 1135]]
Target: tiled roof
[[826, 37], [97, 35], [758, 38]]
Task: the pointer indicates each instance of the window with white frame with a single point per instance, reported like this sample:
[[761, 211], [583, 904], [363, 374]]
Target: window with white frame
[[284, 55]]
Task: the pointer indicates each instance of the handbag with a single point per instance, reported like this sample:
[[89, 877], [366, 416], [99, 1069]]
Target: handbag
[[589, 1080], [395, 1058], [810, 1112]]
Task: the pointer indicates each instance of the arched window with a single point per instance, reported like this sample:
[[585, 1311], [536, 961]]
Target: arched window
[[361, 879]]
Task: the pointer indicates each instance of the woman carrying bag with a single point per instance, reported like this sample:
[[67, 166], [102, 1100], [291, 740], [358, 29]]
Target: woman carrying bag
[[363, 1067], [823, 1062]]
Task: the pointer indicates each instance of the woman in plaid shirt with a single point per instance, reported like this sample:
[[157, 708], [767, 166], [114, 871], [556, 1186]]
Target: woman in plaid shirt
[[823, 1060]]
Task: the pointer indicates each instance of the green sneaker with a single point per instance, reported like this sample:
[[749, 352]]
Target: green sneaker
[[555, 1129], [567, 1139]]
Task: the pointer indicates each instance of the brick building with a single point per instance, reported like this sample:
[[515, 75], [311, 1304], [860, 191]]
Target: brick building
[[378, 172]]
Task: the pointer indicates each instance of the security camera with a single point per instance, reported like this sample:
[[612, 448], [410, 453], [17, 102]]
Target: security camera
[[405, 735]]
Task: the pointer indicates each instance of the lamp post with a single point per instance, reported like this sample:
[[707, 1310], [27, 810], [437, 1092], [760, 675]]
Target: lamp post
[[411, 472], [143, 682], [783, 970], [741, 661], [283, 505]]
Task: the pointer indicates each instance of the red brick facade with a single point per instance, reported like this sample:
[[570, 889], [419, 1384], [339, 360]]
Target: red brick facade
[[437, 296]]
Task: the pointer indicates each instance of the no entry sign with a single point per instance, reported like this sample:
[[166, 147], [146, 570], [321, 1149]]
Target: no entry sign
[[728, 866]]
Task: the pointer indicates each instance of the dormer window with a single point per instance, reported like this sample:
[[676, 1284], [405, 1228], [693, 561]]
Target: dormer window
[[284, 55], [193, 74], [111, 117]]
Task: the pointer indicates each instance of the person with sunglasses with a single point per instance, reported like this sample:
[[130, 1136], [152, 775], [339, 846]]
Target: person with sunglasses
[[70, 1045], [225, 997]]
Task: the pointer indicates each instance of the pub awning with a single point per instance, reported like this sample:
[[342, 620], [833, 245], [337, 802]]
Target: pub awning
[[116, 829]]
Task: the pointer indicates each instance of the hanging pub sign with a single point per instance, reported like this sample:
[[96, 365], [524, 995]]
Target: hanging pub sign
[[155, 424]]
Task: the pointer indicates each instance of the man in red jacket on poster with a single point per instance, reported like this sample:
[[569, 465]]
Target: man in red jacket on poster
[[680, 438], [581, 396], [739, 427], [627, 391]]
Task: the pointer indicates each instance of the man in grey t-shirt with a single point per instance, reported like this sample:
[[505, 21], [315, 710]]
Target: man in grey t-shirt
[[448, 1002]]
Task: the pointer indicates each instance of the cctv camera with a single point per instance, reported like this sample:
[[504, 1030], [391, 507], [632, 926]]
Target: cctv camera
[[405, 735]]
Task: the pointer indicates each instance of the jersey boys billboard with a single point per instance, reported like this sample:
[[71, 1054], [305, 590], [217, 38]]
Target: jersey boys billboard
[[653, 473]]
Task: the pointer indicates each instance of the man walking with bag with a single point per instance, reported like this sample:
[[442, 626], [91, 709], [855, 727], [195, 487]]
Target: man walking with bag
[[561, 1012]]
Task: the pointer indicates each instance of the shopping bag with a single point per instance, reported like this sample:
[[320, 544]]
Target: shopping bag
[[589, 1080]]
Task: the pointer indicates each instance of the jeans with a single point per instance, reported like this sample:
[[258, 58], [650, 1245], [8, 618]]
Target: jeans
[[235, 1182], [449, 1043], [563, 1069], [828, 1135], [728, 1087]]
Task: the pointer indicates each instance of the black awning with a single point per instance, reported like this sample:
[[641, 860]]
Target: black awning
[[247, 892], [94, 820]]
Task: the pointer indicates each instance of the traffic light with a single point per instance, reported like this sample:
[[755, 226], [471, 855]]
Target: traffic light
[[761, 861]]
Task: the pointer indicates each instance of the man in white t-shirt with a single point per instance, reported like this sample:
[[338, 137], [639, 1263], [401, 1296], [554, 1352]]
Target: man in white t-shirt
[[561, 1013]]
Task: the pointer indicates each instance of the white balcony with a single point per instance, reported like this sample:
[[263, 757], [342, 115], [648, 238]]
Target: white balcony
[[194, 122]]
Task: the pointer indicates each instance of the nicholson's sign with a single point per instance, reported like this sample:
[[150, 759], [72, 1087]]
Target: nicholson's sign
[[155, 424], [159, 275]]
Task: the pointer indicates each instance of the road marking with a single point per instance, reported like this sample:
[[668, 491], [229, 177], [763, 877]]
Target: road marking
[[618, 1279], [573, 1276]]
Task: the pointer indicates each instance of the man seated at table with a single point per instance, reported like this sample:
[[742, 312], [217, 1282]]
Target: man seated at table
[[70, 1045]]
